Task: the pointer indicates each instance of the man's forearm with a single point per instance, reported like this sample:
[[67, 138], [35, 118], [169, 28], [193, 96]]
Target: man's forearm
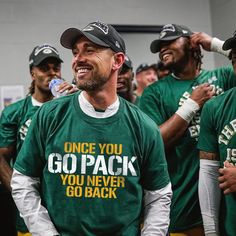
[[26, 196], [209, 195], [5, 173], [156, 211], [172, 130]]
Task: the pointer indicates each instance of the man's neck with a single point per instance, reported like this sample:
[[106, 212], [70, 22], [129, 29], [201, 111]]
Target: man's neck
[[100, 100], [42, 97], [139, 91], [190, 71]]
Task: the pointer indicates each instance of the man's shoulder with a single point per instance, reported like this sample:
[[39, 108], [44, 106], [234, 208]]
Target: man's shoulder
[[159, 85], [57, 104], [219, 70], [16, 106], [140, 117], [218, 102]]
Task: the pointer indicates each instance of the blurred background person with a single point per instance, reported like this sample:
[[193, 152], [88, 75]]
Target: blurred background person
[[144, 76], [162, 71], [44, 65], [125, 86]]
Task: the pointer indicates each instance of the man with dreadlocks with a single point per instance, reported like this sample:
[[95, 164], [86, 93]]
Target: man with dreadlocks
[[175, 103], [44, 64]]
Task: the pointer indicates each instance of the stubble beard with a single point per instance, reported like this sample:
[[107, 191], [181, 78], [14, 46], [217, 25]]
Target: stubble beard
[[93, 84], [178, 66]]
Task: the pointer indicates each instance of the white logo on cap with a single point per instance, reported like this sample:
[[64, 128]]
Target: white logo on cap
[[88, 28], [162, 34], [117, 44], [184, 31], [47, 49], [169, 27], [103, 27]]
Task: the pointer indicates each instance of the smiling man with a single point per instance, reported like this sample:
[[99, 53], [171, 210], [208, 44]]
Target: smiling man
[[98, 162], [175, 104]]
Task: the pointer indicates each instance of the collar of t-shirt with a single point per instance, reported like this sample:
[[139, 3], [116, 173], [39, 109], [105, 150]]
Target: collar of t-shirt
[[89, 110], [35, 102]]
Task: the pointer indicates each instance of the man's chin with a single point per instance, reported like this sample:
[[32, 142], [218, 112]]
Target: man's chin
[[122, 92]]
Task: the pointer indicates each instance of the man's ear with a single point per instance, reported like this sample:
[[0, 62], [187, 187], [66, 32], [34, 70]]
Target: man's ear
[[119, 59], [32, 75]]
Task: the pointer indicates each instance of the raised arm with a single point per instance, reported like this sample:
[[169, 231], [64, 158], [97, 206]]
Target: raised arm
[[208, 43]]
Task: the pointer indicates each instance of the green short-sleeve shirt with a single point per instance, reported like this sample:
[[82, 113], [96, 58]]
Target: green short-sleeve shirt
[[93, 171], [160, 101], [218, 135]]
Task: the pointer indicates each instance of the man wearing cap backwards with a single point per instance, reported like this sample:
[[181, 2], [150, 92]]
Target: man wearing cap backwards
[[175, 103], [95, 154], [217, 144], [145, 75], [125, 86], [44, 63]]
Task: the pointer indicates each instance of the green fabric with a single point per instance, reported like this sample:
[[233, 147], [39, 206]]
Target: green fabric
[[14, 124], [160, 101], [218, 135], [93, 170]]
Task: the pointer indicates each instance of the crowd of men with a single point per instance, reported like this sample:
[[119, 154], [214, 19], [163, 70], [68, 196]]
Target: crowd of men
[[123, 153]]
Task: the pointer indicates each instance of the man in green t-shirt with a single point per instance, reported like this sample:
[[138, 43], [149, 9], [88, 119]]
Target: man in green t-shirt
[[44, 65], [97, 166], [217, 144], [175, 103]]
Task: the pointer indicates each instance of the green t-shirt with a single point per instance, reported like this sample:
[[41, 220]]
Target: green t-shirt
[[93, 171], [14, 124], [160, 101], [15, 121], [218, 135]]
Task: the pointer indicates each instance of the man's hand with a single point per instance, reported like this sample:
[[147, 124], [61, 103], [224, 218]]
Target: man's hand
[[228, 178], [70, 88], [201, 39], [202, 93]]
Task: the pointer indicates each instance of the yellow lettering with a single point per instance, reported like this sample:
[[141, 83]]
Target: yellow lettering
[[64, 178], [79, 147], [102, 147]]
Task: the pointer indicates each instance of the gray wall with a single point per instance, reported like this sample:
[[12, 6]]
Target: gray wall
[[223, 16], [26, 23]]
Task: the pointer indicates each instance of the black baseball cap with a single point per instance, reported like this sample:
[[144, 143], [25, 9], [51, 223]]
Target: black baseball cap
[[170, 32], [97, 32], [145, 66], [42, 52], [127, 65], [230, 43]]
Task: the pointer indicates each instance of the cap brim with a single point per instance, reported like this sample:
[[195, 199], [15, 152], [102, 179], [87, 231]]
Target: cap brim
[[69, 37], [36, 63], [229, 44], [155, 45]]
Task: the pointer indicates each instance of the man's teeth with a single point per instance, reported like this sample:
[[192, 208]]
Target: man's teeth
[[82, 70], [165, 56]]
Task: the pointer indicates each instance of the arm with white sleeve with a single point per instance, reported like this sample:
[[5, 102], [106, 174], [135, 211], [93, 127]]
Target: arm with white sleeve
[[209, 194], [156, 211], [25, 192], [208, 43]]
